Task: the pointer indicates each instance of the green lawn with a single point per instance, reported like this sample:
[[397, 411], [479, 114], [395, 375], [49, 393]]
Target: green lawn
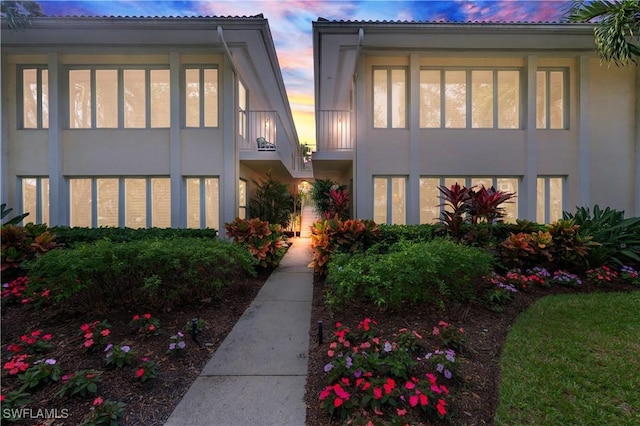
[[573, 360]]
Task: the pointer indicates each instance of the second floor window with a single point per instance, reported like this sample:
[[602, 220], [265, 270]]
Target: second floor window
[[459, 99], [390, 98], [35, 98], [118, 98], [201, 97], [550, 99]]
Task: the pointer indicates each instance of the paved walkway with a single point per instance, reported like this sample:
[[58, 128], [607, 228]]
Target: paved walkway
[[257, 376]]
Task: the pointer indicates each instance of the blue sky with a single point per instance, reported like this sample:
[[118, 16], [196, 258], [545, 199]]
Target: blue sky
[[290, 24]]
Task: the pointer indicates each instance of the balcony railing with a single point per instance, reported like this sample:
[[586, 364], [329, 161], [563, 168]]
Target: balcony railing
[[333, 130]]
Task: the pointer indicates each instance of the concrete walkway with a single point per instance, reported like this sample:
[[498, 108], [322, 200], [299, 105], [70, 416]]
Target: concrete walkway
[[257, 376]]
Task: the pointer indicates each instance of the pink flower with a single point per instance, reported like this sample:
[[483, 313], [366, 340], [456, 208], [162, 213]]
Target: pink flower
[[98, 401], [136, 317], [337, 402], [88, 343], [402, 412], [147, 316], [105, 332], [325, 393], [413, 400], [410, 385], [377, 393], [84, 327], [152, 327], [47, 337], [140, 373]]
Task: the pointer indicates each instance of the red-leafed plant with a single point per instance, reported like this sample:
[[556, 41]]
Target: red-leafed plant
[[485, 204], [263, 240], [456, 204]]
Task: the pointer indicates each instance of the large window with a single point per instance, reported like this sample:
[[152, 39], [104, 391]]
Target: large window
[[135, 202], [35, 98], [389, 199], [35, 199], [119, 98], [201, 96], [203, 202], [458, 99], [550, 198], [431, 200], [390, 97], [242, 110], [242, 199], [550, 99]]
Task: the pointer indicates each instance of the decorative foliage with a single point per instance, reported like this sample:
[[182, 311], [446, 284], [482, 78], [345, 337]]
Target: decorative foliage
[[80, 383], [119, 356], [264, 241], [95, 334], [4, 211], [272, 202], [145, 324], [104, 412]]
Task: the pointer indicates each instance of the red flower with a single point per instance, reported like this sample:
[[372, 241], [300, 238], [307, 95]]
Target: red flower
[[36, 333], [105, 332], [88, 343], [139, 373], [98, 401], [413, 400], [84, 327], [47, 337], [136, 317], [147, 316], [325, 393], [377, 393], [410, 385], [389, 386], [441, 407], [423, 399], [337, 402], [152, 327]]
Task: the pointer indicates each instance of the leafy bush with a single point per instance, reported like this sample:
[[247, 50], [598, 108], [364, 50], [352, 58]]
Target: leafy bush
[[321, 195], [618, 238], [272, 202], [264, 241], [140, 274], [73, 236], [4, 212], [411, 273], [20, 244]]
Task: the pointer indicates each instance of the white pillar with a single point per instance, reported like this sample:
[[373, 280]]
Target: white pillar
[[58, 192], [413, 186], [528, 191], [362, 183], [229, 180], [584, 139], [178, 202]]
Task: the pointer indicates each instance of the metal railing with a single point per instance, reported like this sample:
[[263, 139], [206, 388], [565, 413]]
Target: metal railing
[[333, 130]]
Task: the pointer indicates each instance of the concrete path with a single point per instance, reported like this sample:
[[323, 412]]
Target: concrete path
[[257, 376]]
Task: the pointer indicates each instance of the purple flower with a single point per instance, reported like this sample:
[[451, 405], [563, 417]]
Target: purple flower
[[125, 348], [108, 348], [447, 374], [172, 346], [357, 374], [348, 362], [180, 334], [328, 367], [440, 368], [181, 345], [50, 361], [387, 347]]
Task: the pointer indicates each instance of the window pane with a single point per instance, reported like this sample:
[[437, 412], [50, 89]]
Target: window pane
[[556, 99], [455, 91], [80, 200], [380, 98], [211, 98], [134, 99], [510, 207], [107, 195], [540, 200], [160, 95], [398, 203], [80, 99], [107, 98], [555, 199], [161, 202], [429, 200], [487, 182], [212, 209], [508, 99], [30, 98], [135, 203], [541, 101], [242, 199], [482, 99], [398, 98], [430, 98], [29, 199], [192, 87], [44, 199], [380, 200], [45, 99], [193, 203]]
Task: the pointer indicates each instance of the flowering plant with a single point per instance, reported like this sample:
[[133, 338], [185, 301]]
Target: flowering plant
[[628, 273], [501, 293], [119, 356], [34, 342], [444, 362], [16, 364], [80, 383], [149, 370], [601, 275], [104, 412], [95, 334], [566, 278], [177, 344], [521, 281], [452, 337], [145, 324], [41, 372], [13, 291]]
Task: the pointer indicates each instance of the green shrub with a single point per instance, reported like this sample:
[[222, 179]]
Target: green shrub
[[433, 272], [72, 236], [139, 274], [618, 238]]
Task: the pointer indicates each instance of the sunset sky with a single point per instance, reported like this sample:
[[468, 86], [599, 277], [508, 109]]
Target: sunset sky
[[290, 24]]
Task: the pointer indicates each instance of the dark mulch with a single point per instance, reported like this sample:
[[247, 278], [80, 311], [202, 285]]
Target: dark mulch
[[148, 403], [475, 397]]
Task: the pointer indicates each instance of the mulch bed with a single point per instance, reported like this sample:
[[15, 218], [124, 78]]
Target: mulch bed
[[475, 397]]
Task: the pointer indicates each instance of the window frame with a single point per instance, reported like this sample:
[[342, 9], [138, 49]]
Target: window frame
[[469, 97], [547, 196], [202, 197], [389, 196], [120, 70], [565, 97], [39, 96], [36, 217], [183, 83], [389, 119], [243, 208]]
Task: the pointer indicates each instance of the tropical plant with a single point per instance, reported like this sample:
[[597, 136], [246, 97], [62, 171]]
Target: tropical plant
[[20, 244], [617, 27], [4, 212], [456, 204], [264, 241], [272, 202], [325, 202]]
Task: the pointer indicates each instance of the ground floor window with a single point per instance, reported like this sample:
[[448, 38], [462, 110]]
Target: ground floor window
[[203, 202], [134, 202], [430, 199], [242, 199], [35, 199], [389, 199], [550, 196]]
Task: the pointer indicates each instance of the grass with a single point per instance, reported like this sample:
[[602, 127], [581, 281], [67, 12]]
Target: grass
[[573, 360]]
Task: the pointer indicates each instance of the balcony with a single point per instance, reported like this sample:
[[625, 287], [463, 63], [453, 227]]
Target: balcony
[[333, 130]]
